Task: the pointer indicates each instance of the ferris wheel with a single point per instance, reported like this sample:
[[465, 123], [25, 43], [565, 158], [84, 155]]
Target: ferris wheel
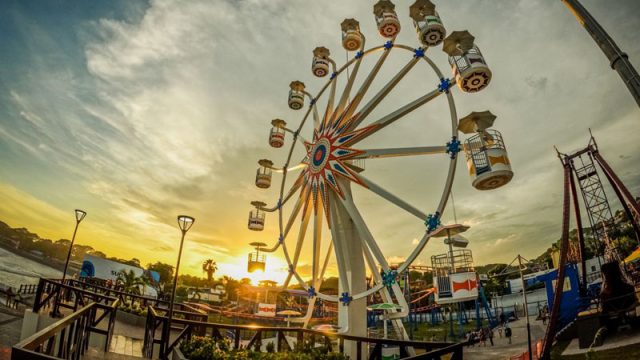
[[321, 196]]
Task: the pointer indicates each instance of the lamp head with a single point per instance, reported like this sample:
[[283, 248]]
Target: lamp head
[[185, 222], [80, 214]]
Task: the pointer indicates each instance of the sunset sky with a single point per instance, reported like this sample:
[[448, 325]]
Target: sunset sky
[[139, 111]]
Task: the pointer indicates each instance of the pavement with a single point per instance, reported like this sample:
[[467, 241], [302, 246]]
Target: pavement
[[501, 348]]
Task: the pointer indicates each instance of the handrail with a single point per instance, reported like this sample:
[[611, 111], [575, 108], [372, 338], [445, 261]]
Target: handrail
[[67, 338], [155, 321]]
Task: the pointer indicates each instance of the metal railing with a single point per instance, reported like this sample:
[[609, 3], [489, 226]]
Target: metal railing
[[68, 338], [253, 335]]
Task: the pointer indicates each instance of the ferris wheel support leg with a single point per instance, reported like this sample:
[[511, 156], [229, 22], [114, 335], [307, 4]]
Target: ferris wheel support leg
[[396, 320], [352, 317], [317, 243]]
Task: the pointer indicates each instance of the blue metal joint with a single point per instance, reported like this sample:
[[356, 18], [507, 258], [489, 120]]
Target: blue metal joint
[[419, 52], [389, 277], [388, 45], [359, 54], [433, 221], [291, 269], [333, 75], [444, 85], [345, 299], [311, 291], [281, 239], [312, 102], [453, 147]]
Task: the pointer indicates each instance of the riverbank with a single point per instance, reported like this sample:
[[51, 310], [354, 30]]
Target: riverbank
[[42, 260]]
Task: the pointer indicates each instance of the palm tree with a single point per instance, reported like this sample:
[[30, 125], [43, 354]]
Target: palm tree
[[209, 266], [130, 282]]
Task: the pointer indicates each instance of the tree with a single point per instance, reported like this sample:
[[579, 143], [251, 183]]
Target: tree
[[130, 282], [209, 266], [164, 270]]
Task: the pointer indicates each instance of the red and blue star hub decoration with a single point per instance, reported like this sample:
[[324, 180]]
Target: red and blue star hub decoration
[[328, 158]]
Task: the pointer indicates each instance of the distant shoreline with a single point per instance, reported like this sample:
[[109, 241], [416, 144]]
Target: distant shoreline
[[51, 263]]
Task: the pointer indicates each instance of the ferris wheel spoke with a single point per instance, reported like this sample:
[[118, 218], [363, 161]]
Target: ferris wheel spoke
[[371, 105], [346, 93], [317, 243], [332, 94], [395, 152], [398, 114], [304, 224], [338, 245], [294, 213], [392, 198], [363, 88], [316, 118]]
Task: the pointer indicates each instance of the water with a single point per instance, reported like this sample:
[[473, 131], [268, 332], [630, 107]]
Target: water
[[16, 270]]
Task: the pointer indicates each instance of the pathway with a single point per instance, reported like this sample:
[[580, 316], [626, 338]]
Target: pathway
[[502, 349]]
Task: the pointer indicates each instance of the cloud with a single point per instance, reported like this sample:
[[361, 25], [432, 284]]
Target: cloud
[[167, 111]]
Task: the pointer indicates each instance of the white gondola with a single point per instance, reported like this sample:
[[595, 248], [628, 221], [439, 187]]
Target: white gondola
[[469, 66], [429, 27], [276, 135], [263, 175], [256, 217], [351, 36], [320, 62], [486, 154], [296, 95], [386, 19], [454, 275]]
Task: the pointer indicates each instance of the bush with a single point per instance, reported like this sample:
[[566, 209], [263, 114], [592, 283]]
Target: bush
[[207, 348]]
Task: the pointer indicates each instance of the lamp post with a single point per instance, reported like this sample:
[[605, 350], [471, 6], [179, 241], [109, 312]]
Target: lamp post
[[526, 306], [184, 222], [80, 214]]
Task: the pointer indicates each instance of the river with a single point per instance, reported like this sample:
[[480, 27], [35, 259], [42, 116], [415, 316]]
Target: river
[[16, 270]]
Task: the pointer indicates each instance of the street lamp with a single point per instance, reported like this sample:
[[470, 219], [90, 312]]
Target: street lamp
[[80, 214], [184, 222]]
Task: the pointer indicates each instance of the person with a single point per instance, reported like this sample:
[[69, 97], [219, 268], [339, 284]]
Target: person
[[502, 318], [483, 337], [507, 333], [500, 330], [490, 332]]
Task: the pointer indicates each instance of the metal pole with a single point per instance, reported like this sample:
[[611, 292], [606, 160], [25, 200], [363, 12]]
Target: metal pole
[[618, 59], [175, 283], [526, 308], [56, 310], [73, 238]]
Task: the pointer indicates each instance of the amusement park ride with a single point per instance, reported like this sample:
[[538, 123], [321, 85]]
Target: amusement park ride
[[332, 161], [581, 165]]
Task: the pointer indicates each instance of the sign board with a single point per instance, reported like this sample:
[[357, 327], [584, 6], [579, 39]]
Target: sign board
[[461, 287], [266, 310], [101, 268]]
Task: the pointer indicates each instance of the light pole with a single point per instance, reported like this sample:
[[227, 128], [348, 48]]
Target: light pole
[[80, 214], [526, 307], [184, 222]]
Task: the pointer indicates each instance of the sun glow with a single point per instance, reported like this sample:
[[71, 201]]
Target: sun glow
[[275, 269]]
